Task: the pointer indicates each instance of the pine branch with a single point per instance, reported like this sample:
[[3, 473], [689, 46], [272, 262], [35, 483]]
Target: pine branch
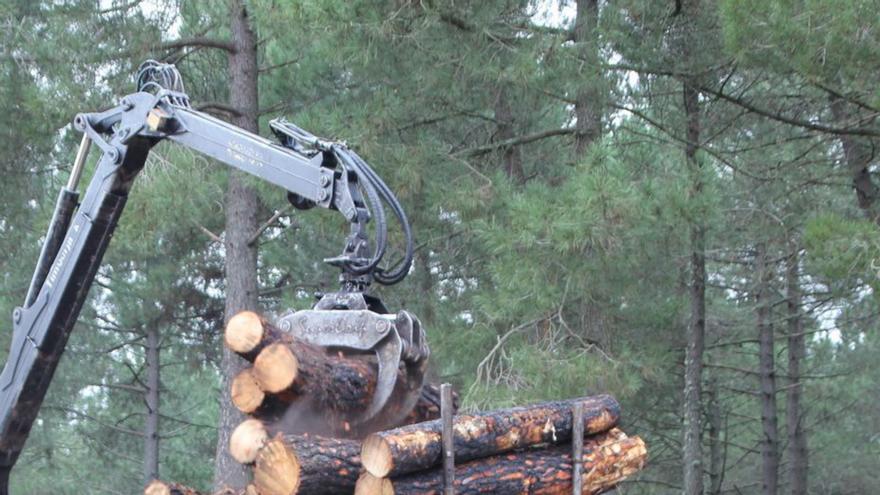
[[219, 107], [516, 141], [754, 108], [199, 42]]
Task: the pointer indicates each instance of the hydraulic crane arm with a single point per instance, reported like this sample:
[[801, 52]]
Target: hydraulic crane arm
[[314, 172]]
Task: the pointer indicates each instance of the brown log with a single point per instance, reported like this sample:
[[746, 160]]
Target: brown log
[[334, 381], [608, 458], [307, 464], [246, 394], [157, 487], [367, 484], [417, 447], [286, 369], [246, 440], [428, 406], [247, 333], [249, 398]]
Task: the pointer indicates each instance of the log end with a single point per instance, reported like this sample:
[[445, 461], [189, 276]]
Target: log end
[[604, 413], [275, 368], [376, 456], [157, 487], [244, 332], [367, 484], [616, 458], [246, 394], [246, 441], [277, 471]]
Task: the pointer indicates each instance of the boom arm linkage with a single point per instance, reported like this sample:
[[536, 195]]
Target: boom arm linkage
[[314, 172]]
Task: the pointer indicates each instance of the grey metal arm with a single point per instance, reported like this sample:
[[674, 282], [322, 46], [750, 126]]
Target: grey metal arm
[[78, 237]]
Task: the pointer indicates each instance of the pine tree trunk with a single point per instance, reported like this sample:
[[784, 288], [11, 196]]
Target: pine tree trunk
[[511, 156], [415, 447], [858, 154], [716, 448], [241, 223], [798, 455], [151, 399], [767, 373], [692, 456], [589, 102]]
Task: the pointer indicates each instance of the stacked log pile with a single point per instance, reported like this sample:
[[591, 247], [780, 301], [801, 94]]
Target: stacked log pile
[[302, 436]]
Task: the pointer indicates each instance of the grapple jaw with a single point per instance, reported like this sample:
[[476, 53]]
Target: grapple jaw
[[354, 321]]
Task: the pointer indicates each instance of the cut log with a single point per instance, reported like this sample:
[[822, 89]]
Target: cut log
[[306, 464], [367, 484], [335, 381], [246, 440], [249, 398], [157, 487], [247, 333], [417, 447], [608, 459], [246, 394]]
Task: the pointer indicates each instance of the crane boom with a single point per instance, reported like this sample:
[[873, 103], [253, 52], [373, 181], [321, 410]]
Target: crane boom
[[313, 172]]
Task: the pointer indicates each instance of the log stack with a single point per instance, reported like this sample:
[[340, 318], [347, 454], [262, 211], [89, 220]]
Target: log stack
[[301, 437]]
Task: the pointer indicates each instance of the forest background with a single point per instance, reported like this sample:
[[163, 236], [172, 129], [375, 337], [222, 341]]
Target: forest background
[[675, 202]]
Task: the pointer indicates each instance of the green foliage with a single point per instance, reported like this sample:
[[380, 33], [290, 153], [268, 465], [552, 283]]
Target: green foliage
[[568, 281], [843, 252]]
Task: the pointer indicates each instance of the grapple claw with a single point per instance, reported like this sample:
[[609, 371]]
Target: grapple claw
[[343, 320]]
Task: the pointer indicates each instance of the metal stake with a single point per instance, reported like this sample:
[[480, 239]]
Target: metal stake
[[577, 447], [446, 410]]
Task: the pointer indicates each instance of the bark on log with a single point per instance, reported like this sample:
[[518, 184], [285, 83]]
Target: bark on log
[[247, 333], [428, 406], [416, 447], [157, 487], [334, 381], [608, 458], [306, 464]]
